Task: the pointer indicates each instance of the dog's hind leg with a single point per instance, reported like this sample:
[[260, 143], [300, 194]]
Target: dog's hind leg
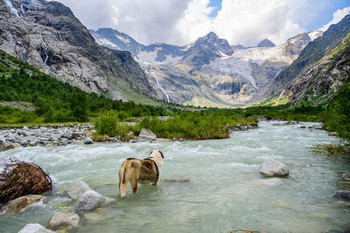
[[134, 186], [123, 181]]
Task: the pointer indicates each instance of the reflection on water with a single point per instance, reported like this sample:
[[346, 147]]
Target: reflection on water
[[225, 191]]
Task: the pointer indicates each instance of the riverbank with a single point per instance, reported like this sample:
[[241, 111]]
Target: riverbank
[[64, 134], [225, 186]]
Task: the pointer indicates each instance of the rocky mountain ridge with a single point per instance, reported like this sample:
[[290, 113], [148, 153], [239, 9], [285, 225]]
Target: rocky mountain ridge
[[210, 69], [47, 36], [311, 66]]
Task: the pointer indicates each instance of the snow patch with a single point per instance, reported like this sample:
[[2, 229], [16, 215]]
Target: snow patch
[[12, 9], [123, 39], [315, 34]]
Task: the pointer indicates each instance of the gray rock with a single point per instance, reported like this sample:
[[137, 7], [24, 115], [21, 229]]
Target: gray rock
[[66, 135], [343, 194], [93, 131], [11, 139], [25, 128], [35, 228], [66, 221], [272, 168], [24, 143], [148, 134], [90, 200], [88, 140], [346, 176], [273, 182], [76, 189]]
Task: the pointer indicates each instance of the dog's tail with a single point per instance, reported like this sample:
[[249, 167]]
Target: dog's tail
[[129, 171]]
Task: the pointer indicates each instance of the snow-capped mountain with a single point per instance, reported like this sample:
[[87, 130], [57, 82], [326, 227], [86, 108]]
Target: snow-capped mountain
[[210, 68]]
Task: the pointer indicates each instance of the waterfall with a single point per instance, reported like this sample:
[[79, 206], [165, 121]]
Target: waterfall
[[157, 81]]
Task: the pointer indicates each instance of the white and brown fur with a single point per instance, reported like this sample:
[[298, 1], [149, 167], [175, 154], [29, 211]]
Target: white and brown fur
[[143, 171]]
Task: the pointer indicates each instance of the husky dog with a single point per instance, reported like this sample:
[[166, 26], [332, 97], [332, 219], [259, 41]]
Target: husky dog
[[143, 171]]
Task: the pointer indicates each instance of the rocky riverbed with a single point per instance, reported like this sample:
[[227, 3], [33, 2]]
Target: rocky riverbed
[[60, 135]]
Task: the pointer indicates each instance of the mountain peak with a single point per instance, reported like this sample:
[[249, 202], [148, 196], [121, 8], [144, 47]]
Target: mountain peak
[[211, 35], [266, 43]]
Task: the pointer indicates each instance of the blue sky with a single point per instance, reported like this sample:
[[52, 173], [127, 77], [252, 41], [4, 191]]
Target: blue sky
[[217, 7], [180, 22]]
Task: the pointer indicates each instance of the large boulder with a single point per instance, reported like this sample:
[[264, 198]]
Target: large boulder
[[147, 134], [66, 221], [91, 200], [20, 203], [76, 189], [271, 168], [35, 228]]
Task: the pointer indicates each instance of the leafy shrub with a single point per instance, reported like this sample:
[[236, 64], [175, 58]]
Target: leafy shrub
[[108, 124]]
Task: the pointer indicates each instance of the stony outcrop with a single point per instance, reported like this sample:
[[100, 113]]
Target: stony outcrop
[[91, 200], [47, 36], [321, 65], [35, 228], [63, 221], [272, 168]]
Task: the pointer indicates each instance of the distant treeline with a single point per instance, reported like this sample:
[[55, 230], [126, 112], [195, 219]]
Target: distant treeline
[[60, 102]]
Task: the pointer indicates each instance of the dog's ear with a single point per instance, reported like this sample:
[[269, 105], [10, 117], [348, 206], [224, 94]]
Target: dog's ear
[[161, 154]]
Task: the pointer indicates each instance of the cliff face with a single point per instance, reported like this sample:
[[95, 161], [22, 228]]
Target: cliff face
[[310, 60], [320, 79], [48, 36]]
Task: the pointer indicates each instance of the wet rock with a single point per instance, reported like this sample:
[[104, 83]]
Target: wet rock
[[273, 182], [342, 194], [271, 168], [93, 218], [346, 176], [34, 228], [76, 189], [24, 143], [91, 200], [147, 134], [11, 139], [60, 221], [88, 140], [176, 180], [25, 128], [20, 203]]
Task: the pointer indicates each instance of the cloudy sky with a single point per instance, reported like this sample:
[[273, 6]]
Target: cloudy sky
[[181, 22]]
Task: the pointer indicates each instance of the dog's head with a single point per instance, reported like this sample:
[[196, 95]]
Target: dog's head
[[157, 155]]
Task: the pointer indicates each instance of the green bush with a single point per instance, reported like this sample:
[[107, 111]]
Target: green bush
[[194, 125]]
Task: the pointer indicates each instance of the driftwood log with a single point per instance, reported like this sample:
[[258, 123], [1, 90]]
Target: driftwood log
[[21, 178]]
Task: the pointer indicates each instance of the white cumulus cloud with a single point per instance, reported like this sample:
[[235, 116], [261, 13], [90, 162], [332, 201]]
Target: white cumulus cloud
[[181, 22], [337, 16]]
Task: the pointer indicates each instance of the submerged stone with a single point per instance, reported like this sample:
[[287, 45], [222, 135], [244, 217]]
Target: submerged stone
[[20, 203], [273, 182]]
